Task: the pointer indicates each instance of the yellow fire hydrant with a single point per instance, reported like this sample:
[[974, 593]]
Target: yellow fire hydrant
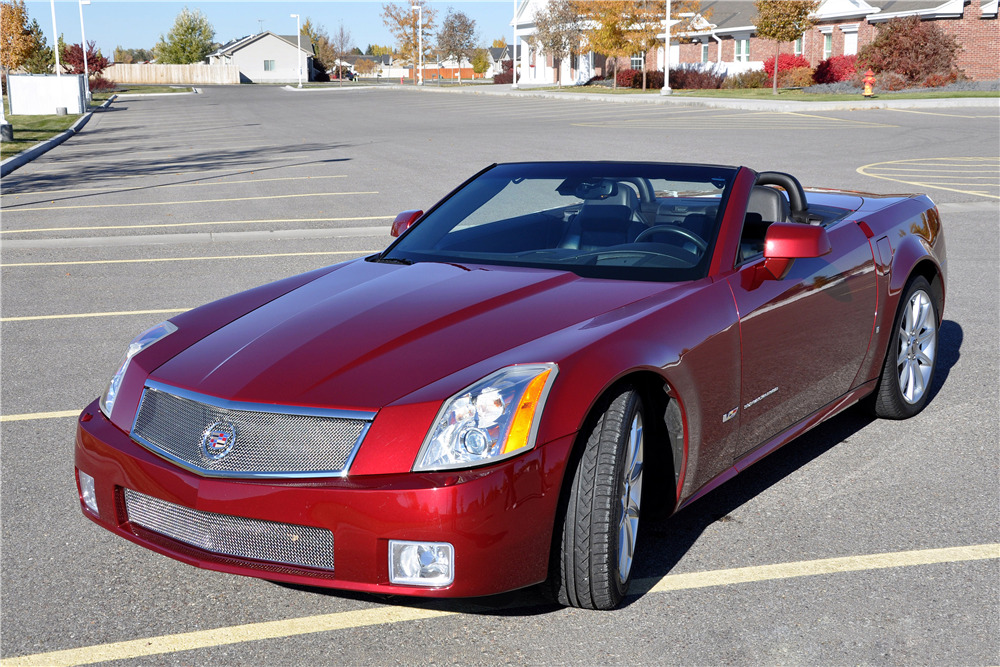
[[869, 82]]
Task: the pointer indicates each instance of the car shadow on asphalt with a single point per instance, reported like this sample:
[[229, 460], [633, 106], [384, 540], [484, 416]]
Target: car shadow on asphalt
[[162, 162], [662, 544]]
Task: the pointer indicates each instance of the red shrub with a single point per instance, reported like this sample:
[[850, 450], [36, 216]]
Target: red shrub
[[836, 68], [891, 81], [98, 82], [625, 78], [936, 80], [785, 61], [507, 76], [912, 48], [797, 77], [689, 78]]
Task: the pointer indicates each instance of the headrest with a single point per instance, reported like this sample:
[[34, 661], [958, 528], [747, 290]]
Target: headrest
[[607, 218], [769, 203]]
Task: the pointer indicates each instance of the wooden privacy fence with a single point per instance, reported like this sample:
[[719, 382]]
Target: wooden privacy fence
[[167, 74]]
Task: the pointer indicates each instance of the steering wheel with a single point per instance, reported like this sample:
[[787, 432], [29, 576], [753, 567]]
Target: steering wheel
[[673, 229]]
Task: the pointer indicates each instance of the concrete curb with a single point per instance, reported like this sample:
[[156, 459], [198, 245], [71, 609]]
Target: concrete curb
[[715, 102], [295, 89], [128, 96], [26, 156]]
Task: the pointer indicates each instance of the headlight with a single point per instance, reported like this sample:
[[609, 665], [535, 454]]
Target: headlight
[[138, 344], [493, 419]]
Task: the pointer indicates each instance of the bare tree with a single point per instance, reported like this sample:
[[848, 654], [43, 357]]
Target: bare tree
[[559, 32], [341, 47], [402, 20], [457, 38]]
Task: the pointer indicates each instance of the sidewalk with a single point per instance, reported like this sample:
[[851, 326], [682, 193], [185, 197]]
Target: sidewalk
[[545, 92]]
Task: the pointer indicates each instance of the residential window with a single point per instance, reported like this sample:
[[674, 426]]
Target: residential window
[[268, 65], [827, 45], [850, 39], [798, 46], [704, 52], [638, 61], [743, 50]]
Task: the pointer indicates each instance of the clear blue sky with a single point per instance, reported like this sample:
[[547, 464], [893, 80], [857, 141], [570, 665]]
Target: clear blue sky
[[139, 24]]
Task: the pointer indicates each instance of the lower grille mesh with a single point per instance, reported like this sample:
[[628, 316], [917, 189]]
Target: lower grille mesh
[[233, 535]]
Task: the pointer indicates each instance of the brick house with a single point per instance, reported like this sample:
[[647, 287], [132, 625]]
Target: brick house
[[726, 39]]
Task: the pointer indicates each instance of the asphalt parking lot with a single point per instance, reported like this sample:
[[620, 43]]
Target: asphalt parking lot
[[863, 542]]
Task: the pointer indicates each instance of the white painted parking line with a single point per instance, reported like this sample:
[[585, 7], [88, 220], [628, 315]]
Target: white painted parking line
[[386, 615]]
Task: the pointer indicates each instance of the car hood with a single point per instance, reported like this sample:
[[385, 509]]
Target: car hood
[[367, 334]]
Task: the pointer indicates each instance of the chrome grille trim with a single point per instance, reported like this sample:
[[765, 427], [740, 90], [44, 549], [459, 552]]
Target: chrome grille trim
[[272, 441], [236, 536]]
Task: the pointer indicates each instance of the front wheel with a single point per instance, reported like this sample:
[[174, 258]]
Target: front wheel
[[594, 565], [908, 370]]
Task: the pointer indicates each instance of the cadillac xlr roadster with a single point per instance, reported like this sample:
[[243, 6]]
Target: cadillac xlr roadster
[[550, 353]]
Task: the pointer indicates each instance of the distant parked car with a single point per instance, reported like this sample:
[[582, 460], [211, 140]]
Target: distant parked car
[[348, 74]]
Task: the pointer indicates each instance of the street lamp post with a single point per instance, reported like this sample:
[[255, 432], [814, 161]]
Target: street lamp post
[[420, 42], [298, 42], [513, 53], [55, 31], [83, 38], [666, 55]]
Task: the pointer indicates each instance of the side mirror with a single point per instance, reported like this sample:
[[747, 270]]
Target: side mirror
[[404, 221], [788, 241]]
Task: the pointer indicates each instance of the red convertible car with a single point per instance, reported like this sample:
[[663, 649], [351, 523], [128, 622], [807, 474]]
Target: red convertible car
[[494, 401]]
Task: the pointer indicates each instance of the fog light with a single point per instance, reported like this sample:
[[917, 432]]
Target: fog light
[[88, 493], [421, 563]]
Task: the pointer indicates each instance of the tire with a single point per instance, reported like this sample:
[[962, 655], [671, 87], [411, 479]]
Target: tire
[[908, 370], [593, 566]]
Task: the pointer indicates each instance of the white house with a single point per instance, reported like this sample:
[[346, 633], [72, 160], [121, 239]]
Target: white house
[[267, 58]]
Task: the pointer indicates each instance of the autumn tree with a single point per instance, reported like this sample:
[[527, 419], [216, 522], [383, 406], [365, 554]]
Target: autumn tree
[[42, 58], [480, 61], [457, 38], [72, 59], [499, 43], [189, 41], [607, 28], [402, 20], [912, 48], [132, 55], [15, 36], [783, 21], [341, 43], [377, 50], [364, 66], [645, 21], [558, 32]]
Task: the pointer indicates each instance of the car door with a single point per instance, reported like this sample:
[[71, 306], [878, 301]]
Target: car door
[[804, 336]]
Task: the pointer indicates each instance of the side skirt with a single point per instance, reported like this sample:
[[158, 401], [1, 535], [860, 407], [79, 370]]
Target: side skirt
[[783, 438]]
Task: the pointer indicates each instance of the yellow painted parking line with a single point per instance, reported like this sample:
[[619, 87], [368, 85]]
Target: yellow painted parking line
[[39, 415], [191, 259], [111, 189], [118, 313], [138, 648], [386, 615], [809, 568], [909, 172], [192, 224], [192, 201], [935, 113]]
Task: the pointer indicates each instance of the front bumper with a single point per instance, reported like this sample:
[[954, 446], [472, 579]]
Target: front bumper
[[498, 518]]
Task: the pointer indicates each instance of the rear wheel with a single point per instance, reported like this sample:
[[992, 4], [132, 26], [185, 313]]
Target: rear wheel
[[908, 370], [594, 565]]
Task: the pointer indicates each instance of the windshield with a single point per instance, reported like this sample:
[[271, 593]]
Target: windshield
[[610, 220]]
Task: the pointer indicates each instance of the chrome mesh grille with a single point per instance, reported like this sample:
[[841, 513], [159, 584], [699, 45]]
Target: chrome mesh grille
[[267, 443], [233, 535]]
